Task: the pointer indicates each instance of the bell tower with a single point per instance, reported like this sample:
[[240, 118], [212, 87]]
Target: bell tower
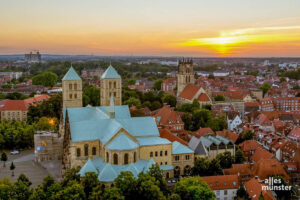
[[72, 89], [110, 87], [185, 74]]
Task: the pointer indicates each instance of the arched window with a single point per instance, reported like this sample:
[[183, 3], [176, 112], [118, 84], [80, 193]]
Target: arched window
[[115, 159], [187, 170], [134, 157], [115, 84], [75, 86], [78, 152], [168, 175], [107, 157], [151, 154], [70, 86], [94, 151], [86, 150], [126, 159], [177, 172]]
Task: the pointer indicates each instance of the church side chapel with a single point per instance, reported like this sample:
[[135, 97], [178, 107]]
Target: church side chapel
[[107, 140]]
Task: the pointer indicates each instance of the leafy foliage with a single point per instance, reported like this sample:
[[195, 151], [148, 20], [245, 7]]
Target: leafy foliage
[[45, 79], [205, 167], [91, 96], [219, 97], [265, 88]]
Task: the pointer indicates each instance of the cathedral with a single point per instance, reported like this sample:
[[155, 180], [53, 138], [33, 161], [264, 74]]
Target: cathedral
[[107, 140]]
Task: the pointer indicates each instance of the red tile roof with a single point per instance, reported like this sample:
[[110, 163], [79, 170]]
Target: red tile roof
[[36, 99], [189, 91], [222, 182], [295, 133], [8, 104], [254, 189], [242, 169], [202, 131], [228, 134], [261, 153], [166, 133], [167, 115], [249, 145]]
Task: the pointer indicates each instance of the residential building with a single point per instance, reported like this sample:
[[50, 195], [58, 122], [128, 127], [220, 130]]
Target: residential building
[[225, 187]]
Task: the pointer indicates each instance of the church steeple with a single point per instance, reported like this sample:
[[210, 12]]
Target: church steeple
[[110, 86], [72, 89], [185, 74]]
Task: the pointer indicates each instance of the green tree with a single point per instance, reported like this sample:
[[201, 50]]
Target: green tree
[[112, 193], [265, 88], [188, 121], [169, 99], [130, 82], [46, 124], [91, 94], [127, 185], [45, 79], [225, 159], [200, 167], [89, 181], [3, 158], [242, 193], [157, 84], [24, 179], [12, 168], [174, 197], [282, 79], [193, 189], [248, 135], [239, 156], [158, 174], [70, 176], [22, 188], [155, 105], [133, 102], [219, 97], [201, 117], [215, 168], [73, 190]]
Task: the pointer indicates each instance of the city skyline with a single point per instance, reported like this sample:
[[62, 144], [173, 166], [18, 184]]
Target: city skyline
[[157, 28]]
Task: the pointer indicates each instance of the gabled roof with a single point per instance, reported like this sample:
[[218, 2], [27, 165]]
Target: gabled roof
[[198, 147], [189, 91], [71, 75], [110, 72], [254, 189], [249, 145], [167, 115], [223, 182], [8, 104], [166, 133], [203, 97], [178, 148], [229, 135], [260, 154], [122, 142]]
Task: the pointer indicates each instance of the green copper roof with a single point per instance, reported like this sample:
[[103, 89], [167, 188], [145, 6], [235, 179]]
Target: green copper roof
[[122, 142], [88, 167], [110, 72], [71, 75], [109, 172], [149, 141], [178, 148]]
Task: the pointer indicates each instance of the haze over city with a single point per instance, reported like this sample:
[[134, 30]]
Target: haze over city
[[152, 28]]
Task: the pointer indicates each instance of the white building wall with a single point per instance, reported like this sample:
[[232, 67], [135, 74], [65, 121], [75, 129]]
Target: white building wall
[[228, 194]]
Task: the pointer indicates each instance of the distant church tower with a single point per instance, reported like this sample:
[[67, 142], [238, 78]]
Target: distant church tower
[[185, 74], [110, 86], [72, 89]]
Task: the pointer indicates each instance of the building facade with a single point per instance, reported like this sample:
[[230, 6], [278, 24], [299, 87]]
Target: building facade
[[185, 75]]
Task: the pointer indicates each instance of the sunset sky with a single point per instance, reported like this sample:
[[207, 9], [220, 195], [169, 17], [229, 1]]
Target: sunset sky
[[151, 27]]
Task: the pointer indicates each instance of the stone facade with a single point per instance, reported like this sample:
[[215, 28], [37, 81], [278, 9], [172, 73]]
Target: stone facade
[[185, 75], [109, 87], [72, 93]]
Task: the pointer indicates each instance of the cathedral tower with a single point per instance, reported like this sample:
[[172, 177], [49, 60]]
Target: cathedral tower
[[72, 89], [185, 74], [110, 86]]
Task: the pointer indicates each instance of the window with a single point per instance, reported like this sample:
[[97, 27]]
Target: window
[[86, 150], [75, 96], [126, 159], [187, 157], [70, 86], [161, 163], [115, 84], [94, 151], [107, 157], [75, 86], [115, 94], [156, 154], [161, 153], [109, 85], [115, 159], [70, 96], [166, 163], [134, 157], [166, 153], [78, 152], [176, 158], [151, 154], [225, 192]]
